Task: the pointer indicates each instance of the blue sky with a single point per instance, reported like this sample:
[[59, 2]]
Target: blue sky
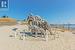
[[54, 11]]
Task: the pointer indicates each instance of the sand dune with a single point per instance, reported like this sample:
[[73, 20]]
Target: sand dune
[[66, 41]]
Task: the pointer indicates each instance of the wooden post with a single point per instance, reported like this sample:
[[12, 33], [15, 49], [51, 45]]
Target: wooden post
[[46, 35]]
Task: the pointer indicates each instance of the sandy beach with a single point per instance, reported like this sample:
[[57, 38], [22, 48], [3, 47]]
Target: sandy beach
[[66, 41]]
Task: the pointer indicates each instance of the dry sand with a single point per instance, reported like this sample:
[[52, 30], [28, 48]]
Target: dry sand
[[66, 41]]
